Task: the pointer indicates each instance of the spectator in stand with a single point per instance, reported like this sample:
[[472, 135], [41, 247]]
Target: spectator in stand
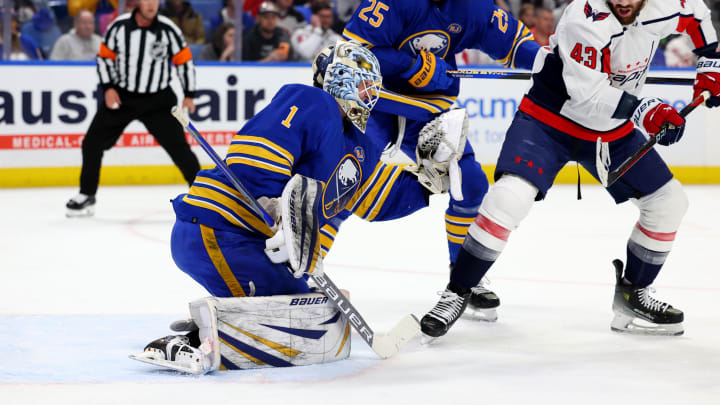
[[266, 42], [43, 30], [222, 44], [22, 47], [105, 19], [290, 19], [338, 25], [679, 51], [189, 21], [527, 14], [95, 6], [24, 9], [543, 26], [227, 15], [309, 40], [81, 43]]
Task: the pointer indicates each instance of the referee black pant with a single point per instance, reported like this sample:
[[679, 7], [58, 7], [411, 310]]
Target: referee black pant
[[153, 110]]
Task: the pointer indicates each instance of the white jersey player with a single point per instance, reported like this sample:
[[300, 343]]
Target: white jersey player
[[586, 88]]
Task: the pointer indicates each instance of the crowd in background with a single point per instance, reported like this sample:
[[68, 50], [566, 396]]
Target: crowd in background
[[272, 30]]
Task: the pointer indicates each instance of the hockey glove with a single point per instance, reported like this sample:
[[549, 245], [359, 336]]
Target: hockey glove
[[653, 115], [297, 241], [708, 78], [428, 73]]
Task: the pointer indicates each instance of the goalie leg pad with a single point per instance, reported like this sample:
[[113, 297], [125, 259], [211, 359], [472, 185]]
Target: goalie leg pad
[[275, 331]]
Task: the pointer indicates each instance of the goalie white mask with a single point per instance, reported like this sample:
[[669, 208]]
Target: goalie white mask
[[351, 74]]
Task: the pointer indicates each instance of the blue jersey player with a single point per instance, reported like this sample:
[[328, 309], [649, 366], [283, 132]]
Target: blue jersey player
[[307, 148], [416, 42]]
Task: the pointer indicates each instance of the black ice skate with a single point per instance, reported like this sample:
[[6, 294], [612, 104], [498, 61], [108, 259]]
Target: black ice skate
[[438, 321], [483, 303], [80, 206], [638, 313], [174, 352]]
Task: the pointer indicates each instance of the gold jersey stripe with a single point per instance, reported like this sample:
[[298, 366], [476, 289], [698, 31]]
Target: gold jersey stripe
[[267, 143], [258, 164], [259, 152], [234, 206], [218, 259]]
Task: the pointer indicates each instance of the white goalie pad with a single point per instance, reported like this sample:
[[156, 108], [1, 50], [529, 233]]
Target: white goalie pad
[[298, 239], [440, 146], [276, 331]]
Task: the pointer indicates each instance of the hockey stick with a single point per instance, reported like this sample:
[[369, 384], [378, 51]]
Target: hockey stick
[[185, 122], [603, 159], [384, 345], [510, 75]]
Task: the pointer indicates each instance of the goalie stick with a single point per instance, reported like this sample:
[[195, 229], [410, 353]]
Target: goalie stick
[[384, 345], [510, 75], [602, 160]]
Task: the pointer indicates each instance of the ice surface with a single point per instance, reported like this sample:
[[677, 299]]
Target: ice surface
[[78, 295]]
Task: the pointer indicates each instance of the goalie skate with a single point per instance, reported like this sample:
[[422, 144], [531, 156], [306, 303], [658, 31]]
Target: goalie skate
[[482, 305], [174, 352], [636, 312]]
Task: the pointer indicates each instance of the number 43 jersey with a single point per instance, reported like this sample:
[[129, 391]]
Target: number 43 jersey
[[594, 60]]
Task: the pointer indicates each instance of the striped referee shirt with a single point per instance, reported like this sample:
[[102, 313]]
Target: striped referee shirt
[[137, 59]]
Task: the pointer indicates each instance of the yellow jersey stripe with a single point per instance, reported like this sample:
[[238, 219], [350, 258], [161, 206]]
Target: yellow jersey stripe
[[213, 250], [258, 164], [405, 100], [507, 60], [234, 206], [354, 201], [329, 230], [222, 186], [350, 35], [386, 191], [290, 352], [242, 353], [455, 239], [457, 229], [268, 144], [367, 201], [459, 220], [325, 241], [259, 152], [230, 217]]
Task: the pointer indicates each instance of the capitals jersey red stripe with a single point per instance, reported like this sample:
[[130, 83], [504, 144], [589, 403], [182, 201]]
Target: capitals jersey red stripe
[[565, 125], [663, 237], [691, 26], [492, 228]]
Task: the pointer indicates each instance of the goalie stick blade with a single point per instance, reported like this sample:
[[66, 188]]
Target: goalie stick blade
[[388, 344]]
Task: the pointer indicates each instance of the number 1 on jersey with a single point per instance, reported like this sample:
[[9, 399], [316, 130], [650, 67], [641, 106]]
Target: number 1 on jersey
[[290, 116]]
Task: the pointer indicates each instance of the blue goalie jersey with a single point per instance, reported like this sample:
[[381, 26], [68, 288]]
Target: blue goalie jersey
[[301, 132], [396, 31]]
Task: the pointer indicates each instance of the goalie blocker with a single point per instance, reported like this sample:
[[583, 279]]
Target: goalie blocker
[[253, 332]]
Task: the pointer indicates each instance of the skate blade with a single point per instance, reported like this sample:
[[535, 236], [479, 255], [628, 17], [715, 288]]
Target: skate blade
[[426, 340], [85, 212], [622, 323], [150, 358], [480, 314]]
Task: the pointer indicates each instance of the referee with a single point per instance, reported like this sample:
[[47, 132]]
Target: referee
[[134, 68]]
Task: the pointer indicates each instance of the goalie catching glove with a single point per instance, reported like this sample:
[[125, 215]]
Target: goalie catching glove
[[655, 116], [440, 145], [297, 240]]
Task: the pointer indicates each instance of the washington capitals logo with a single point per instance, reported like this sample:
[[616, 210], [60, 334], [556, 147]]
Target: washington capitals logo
[[596, 15]]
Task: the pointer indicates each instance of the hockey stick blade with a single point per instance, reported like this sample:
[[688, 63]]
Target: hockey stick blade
[[383, 345], [614, 175], [511, 75]]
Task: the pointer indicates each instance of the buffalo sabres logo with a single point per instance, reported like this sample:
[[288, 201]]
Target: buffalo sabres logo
[[341, 186], [158, 50], [596, 15], [434, 41]]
